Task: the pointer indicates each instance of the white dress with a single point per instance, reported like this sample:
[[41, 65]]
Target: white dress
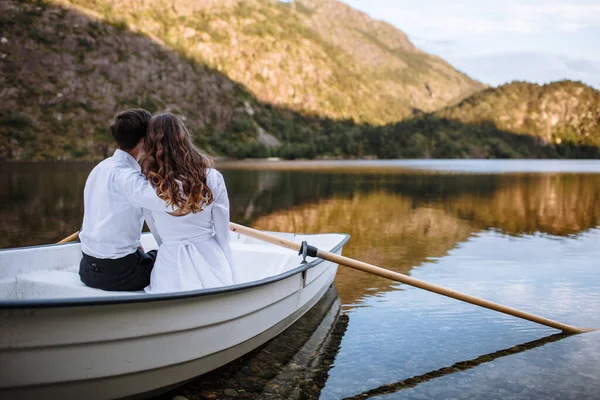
[[194, 251]]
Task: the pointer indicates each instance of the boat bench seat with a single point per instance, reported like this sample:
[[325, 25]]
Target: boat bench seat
[[255, 261], [58, 284], [259, 261]]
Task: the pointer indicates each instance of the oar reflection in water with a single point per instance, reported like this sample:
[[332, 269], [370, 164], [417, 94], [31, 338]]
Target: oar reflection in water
[[294, 365], [457, 367]]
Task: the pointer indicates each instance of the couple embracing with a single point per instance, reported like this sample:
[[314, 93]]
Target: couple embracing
[[159, 176]]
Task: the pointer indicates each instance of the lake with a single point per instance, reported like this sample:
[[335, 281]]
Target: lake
[[522, 233]]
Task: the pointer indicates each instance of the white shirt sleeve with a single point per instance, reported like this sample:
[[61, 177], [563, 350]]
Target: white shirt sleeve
[[220, 215], [139, 191]]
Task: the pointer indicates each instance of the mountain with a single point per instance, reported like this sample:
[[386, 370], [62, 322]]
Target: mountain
[[320, 57], [64, 74], [564, 112], [245, 75], [516, 120], [258, 78]]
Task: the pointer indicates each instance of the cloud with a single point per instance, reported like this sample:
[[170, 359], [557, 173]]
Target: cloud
[[462, 18], [564, 16], [496, 69], [467, 32], [571, 27]]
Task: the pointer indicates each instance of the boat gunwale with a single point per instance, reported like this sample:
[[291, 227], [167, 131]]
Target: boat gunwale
[[151, 297]]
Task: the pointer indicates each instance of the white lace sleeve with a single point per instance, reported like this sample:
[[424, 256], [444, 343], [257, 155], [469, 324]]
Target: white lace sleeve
[[220, 215]]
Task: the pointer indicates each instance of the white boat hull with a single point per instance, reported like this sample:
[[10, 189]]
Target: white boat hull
[[120, 349]]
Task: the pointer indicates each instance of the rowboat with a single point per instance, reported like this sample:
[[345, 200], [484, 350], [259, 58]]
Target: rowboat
[[296, 364], [61, 339]]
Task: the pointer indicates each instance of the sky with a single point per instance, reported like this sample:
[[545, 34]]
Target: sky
[[503, 40]]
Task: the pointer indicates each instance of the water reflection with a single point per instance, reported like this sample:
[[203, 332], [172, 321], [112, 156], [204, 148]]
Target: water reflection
[[400, 225], [400, 334], [565, 369], [40, 203], [294, 365], [460, 366], [553, 204], [43, 202], [525, 240], [386, 229]]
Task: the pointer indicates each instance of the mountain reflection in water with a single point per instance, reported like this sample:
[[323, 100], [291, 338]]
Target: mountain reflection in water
[[400, 224]]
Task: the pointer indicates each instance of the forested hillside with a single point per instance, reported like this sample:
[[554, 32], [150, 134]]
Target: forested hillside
[[258, 78], [516, 120], [562, 112]]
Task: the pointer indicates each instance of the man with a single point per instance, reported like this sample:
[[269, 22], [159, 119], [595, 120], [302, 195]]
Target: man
[[113, 258]]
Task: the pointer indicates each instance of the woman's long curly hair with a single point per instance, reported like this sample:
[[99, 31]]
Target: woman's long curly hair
[[174, 166]]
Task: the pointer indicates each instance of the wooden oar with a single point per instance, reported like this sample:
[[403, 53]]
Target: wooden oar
[[395, 276], [70, 238]]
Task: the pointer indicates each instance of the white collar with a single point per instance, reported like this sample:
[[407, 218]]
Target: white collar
[[128, 158]]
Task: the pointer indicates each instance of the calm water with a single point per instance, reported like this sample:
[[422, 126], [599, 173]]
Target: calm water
[[520, 233]]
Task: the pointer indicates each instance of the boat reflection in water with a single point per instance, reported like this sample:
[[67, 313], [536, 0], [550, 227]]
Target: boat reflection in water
[[294, 365]]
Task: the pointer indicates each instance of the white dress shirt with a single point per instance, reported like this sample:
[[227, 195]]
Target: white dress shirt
[[114, 195]]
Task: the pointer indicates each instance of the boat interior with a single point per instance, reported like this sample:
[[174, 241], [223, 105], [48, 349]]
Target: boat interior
[[52, 271]]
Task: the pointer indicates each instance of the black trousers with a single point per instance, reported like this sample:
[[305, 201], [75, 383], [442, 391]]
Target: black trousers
[[129, 273]]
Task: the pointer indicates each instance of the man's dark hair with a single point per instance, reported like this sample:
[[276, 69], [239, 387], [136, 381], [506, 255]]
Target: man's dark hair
[[129, 127]]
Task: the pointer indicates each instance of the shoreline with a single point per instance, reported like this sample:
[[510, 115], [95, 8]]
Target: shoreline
[[445, 166], [396, 166]]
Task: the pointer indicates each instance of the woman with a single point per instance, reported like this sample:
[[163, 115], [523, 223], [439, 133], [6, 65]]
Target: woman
[[193, 230]]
